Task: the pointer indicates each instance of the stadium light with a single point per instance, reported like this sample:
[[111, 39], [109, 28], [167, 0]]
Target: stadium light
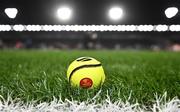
[[64, 13], [130, 28], [145, 28], [161, 28], [33, 28], [171, 12], [18, 28], [54, 28], [115, 13], [119, 28], [47, 28], [11, 12], [5, 27], [174, 27]]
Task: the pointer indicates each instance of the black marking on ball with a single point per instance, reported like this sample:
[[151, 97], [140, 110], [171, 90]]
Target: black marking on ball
[[84, 59], [83, 66]]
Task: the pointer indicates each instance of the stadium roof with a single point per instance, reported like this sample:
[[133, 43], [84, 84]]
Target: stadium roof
[[89, 11]]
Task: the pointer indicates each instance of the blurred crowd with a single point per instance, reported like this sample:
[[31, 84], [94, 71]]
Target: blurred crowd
[[88, 44], [89, 41]]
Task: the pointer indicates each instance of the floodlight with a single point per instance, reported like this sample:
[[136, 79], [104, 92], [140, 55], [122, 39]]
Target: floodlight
[[171, 12], [11, 12], [18, 28], [33, 28], [161, 28], [115, 13], [174, 27], [5, 27], [64, 13]]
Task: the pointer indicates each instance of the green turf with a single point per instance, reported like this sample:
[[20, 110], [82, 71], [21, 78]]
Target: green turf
[[40, 75]]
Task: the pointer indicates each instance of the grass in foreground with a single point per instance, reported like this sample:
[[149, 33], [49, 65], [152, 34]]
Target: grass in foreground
[[160, 104], [41, 75]]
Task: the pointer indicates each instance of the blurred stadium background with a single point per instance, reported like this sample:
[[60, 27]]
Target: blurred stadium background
[[135, 81], [90, 24]]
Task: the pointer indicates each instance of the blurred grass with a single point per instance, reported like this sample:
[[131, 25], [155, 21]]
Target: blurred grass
[[41, 75]]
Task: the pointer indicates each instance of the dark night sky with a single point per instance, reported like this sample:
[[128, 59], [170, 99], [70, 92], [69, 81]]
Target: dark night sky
[[89, 11]]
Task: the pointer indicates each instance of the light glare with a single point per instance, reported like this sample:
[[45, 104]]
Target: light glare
[[5, 27], [174, 28], [64, 13], [11, 12], [115, 13], [33, 27], [18, 27], [171, 12], [161, 28]]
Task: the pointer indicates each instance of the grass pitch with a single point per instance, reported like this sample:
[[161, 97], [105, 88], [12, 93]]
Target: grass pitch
[[41, 75]]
